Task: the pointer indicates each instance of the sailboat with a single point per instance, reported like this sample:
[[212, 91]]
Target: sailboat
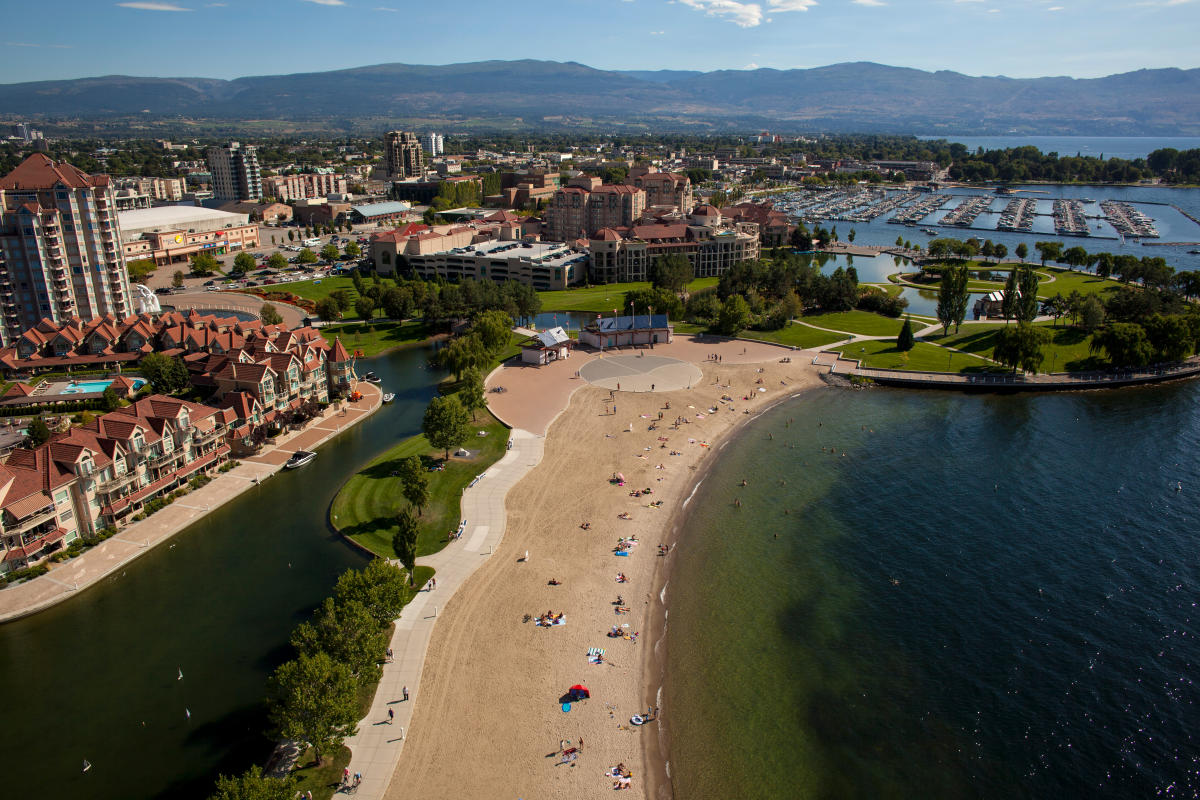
[[187, 711], [180, 674], [86, 765]]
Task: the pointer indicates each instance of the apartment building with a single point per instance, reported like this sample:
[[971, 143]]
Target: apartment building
[[235, 172], [712, 244], [664, 189], [104, 472], [402, 155], [432, 143], [585, 206], [60, 246], [285, 188]]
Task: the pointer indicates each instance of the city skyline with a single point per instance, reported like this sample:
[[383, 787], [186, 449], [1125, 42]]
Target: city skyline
[[1031, 38]]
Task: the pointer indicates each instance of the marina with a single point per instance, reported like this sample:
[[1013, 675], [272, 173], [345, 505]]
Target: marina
[[1069, 219], [967, 212], [1018, 216], [1127, 220]]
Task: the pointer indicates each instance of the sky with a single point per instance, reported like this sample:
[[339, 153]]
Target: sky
[[193, 38]]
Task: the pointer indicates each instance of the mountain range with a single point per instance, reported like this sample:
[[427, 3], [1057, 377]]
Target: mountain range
[[859, 96]]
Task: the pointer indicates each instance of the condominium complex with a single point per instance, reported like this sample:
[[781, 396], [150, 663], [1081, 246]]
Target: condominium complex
[[664, 190], [235, 172], [285, 188], [60, 246], [402, 154], [431, 143], [585, 206]]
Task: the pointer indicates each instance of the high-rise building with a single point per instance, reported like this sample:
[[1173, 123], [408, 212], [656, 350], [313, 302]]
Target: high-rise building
[[60, 246], [235, 172], [432, 143], [402, 151]]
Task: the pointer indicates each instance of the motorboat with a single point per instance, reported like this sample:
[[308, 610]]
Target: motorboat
[[299, 459], [929, 231], [389, 397], [371, 377]]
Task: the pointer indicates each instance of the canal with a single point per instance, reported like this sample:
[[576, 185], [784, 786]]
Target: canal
[[97, 677]]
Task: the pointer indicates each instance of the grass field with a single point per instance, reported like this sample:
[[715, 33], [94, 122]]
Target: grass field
[[311, 290], [1066, 281], [795, 335], [600, 299], [863, 322], [374, 338], [366, 506], [924, 357], [1067, 349]]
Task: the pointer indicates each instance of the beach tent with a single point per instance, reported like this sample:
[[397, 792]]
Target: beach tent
[[579, 692]]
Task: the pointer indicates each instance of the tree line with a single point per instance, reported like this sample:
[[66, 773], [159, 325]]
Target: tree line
[[435, 301]]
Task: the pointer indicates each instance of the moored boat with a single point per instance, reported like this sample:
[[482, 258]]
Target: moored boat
[[389, 397], [299, 459], [371, 377]]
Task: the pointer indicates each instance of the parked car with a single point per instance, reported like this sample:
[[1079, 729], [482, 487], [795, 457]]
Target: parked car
[[210, 283], [251, 283]]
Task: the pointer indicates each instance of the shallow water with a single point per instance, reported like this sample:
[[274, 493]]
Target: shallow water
[[986, 596]]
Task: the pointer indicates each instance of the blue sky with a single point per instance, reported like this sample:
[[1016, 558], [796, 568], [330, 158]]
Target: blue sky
[[1018, 38]]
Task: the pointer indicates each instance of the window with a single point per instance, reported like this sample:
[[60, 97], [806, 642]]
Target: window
[[60, 496]]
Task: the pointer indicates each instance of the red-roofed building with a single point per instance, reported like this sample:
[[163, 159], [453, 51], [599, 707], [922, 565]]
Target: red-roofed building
[[576, 211]]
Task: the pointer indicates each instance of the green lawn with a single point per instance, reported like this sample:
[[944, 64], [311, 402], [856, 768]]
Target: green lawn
[[1066, 351], [924, 357], [366, 506], [600, 299], [378, 337], [312, 290], [1065, 281], [795, 335], [863, 322]]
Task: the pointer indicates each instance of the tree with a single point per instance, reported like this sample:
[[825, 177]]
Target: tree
[[1022, 251], [494, 329], [253, 785], [672, 272], [330, 252], [1076, 257], [850, 236], [953, 298], [327, 309], [109, 400], [203, 265], [365, 307], [306, 256], [277, 261], [404, 541], [1170, 336], [177, 279], [314, 700], [343, 298], [415, 482], [140, 269], [1000, 251], [1056, 307], [1125, 343], [379, 586], [243, 262], [1049, 251], [1020, 345], [352, 250], [462, 354], [470, 391], [39, 432], [734, 316], [1027, 300], [446, 423], [1091, 313], [348, 633], [1008, 302], [291, 236], [270, 315], [906, 341], [165, 374], [396, 302], [1104, 264]]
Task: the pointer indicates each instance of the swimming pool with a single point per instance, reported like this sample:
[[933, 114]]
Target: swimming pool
[[88, 387]]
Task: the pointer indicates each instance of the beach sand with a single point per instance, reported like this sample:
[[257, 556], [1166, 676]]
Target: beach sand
[[487, 718]]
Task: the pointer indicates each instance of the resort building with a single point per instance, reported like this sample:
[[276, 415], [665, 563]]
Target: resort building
[[173, 234], [542, 265], [235, 172], [712, 244], [402, 155], [60, 246], [774, 228], [627, 331], [102, 473], [584, 207], [664, 190]]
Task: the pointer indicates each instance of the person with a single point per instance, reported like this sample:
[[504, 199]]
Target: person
[[404, 691], [357, 779], [390, 656], [391, 715]]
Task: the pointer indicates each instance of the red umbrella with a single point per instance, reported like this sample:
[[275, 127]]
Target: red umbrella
[[581, 690]]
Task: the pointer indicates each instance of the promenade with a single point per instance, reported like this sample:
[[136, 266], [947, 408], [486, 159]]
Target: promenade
[[70, 577]]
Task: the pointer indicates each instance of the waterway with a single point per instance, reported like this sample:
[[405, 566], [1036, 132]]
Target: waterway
[[96, 677], [964, 600], [1126, 147]]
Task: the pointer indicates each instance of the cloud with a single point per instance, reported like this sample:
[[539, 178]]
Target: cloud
[[327, 2], [744, 15], [790, 5], [385, 8], [154, 6], [658, 33], [871, 3], [1055, 8]]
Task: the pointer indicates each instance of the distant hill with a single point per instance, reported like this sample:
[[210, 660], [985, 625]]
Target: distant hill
[[841, 97]]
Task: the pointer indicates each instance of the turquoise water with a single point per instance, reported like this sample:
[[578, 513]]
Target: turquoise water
[[980, 598], [84, 387]]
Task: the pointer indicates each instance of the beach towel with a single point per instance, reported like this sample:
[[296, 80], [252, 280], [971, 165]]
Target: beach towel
[[595, 651], [622, 552]]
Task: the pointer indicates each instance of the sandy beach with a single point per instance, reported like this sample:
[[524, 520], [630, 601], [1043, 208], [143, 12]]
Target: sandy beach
[[488, 720]]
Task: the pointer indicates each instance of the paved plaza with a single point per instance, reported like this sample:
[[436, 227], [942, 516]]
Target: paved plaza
[[641, 373]]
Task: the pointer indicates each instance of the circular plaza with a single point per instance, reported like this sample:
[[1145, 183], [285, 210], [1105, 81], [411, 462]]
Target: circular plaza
[[641, 373]]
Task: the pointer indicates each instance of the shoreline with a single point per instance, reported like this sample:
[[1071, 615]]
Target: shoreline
[[657, 749], [526, 664], [168, 522]]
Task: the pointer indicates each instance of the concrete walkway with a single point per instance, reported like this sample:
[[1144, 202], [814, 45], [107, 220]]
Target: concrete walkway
[[68, 578], [377, 745]]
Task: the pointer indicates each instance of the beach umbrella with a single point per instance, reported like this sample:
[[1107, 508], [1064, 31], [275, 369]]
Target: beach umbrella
[[580, 690]]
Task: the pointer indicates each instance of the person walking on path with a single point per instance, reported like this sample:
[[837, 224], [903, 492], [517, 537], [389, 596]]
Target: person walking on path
[[404, 692], [391, 715]]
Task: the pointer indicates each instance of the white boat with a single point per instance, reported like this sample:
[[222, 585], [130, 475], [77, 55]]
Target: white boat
[[299, 459], [389, 397], [371, 377]]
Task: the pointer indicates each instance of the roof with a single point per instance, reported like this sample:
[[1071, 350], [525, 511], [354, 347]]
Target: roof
[[376, 209], [630, 323], [173, 217], [39, 171], [552, 337]]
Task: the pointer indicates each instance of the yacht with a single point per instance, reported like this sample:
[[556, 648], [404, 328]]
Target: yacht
[[299, 459], [371, 377]]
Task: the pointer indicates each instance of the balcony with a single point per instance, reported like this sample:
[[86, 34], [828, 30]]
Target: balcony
[[205, 438], [160, 460], [116, 483], [39, 517]]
